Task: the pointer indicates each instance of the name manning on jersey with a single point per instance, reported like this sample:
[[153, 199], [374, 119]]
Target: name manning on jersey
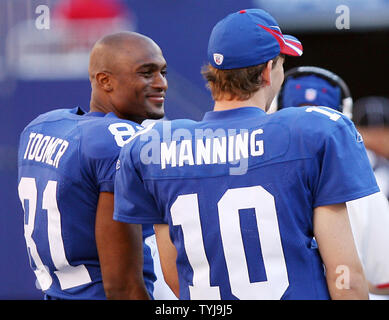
[[45, 149], [215, 150]]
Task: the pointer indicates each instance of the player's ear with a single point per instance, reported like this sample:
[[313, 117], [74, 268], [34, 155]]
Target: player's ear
[[266, 73], [104, 81]]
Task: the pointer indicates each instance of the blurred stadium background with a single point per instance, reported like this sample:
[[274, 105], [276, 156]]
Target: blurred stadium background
[[44, 69]]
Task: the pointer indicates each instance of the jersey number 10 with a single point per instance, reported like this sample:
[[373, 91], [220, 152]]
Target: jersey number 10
[[185, 212]]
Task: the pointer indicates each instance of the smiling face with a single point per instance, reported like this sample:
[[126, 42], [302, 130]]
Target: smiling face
[[139, 82], [128, 76]]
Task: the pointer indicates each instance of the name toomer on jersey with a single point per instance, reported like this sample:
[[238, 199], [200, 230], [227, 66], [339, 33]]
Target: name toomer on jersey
[[45, 149]]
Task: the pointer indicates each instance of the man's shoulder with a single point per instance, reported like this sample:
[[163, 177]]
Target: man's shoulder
[[184, 124], [154, 133], [106, 126], [311, 120], [50, 116], [164, 129], [51, 124], [105, 136]]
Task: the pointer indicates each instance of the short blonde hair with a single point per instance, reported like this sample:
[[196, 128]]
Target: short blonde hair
[[234, 84]]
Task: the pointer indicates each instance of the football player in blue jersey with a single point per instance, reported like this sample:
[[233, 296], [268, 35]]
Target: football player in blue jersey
[[238, 198], [67, 162], [369, 216]]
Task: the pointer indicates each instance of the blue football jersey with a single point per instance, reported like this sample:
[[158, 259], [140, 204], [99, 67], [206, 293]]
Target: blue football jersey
[[66, 158], [238, 190]]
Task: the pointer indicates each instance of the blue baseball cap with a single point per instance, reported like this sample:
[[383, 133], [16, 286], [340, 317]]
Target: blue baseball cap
[[310, 90], [247, 38]]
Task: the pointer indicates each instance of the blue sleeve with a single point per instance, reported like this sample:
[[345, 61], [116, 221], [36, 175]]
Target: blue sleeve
[[100, 153], [133, 202], [343, 169], [106, 175]]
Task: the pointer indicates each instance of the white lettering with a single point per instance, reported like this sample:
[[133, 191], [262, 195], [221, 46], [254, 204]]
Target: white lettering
[[168, 154], [59, 142], [212, 150], [42, 148], [343, 20], [203, 152], [60, 153], [183, 311], [33, 149], [32, 135], [342, 281], [42, 21], [219, 150], [231, 139], [50, 150], [186, 153], [256, 147], [242, 146]]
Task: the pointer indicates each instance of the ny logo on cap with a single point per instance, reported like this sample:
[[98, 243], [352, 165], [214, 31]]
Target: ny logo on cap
[[218, 58], [310, 94]]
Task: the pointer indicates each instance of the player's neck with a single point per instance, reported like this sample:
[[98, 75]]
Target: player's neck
[[257, 100], [99, 105]]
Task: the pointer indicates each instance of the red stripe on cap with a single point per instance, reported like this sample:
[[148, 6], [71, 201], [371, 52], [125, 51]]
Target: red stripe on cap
[[294, 43], [383, 286], [285, 49], [242, 11]]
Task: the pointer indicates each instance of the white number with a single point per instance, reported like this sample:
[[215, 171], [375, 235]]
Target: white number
[[27, 191], [193, 242], [333, 115], [185, 212], [273, 256], [126, 130], [68, 276]]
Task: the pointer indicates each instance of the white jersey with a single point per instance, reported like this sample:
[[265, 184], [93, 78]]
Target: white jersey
[[380, 167], [161, 289], [369, 218]]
